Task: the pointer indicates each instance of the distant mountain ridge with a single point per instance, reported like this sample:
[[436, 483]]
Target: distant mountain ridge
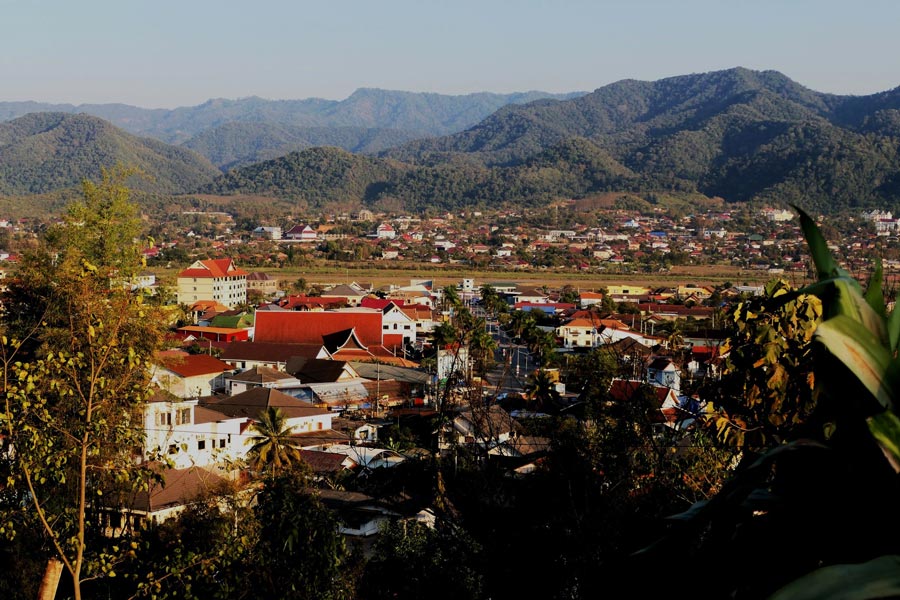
[[45, 152], [425, 114], [737, 133]]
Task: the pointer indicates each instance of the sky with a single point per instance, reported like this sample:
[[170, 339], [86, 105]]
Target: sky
[[165, 53]]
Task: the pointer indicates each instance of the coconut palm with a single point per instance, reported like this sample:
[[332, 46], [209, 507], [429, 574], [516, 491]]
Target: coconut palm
[[272, 446]]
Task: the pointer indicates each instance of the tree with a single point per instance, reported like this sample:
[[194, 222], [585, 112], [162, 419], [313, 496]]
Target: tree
[[272, 447], [74, 357]]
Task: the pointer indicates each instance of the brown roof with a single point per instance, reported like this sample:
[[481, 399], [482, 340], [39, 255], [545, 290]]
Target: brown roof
[[179, 487], [323, 462], [191, 365], [315, 370], [261, 375], [268, 352], [254, 401], [326, 437]]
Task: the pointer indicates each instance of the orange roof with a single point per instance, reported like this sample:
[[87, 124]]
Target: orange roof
[[292, 327], [215, 268], [580, 323]]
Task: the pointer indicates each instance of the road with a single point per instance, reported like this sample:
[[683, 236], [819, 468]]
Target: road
[[512, 363]]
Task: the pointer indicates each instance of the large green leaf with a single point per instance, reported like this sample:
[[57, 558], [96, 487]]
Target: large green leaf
[[879, 578], [874, 291], [862, 353], [885, 428], [893, 327], [826, 266]]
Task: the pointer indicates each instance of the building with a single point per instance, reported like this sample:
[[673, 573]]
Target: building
[[218, 280]]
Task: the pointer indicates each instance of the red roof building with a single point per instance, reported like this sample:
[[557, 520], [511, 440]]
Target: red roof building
[[218, 280]]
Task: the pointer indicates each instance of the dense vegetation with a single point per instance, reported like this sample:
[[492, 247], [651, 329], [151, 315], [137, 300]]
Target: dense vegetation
[[44, 152], [238, 144], [737, 134]]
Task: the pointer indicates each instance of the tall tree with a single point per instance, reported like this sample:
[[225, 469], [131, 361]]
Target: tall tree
[[74, 376], [272, 447]]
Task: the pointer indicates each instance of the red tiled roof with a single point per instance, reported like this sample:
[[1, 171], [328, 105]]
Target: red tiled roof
[[219, 267], [310, 327]]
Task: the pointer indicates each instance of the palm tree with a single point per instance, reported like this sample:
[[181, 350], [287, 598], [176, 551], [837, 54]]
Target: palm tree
[[541, 390], [273, 448]]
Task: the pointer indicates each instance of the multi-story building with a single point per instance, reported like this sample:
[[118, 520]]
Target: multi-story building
[[219, 280]]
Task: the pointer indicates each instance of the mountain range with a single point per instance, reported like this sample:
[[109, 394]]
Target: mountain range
[[738, 134]]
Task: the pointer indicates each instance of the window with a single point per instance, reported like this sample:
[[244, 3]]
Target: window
[[164, 418], [320, 425], [201, 444], [222, 443], [183, 416], [173, 449]]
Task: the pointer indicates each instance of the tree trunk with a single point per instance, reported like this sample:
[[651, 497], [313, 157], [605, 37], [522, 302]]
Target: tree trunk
[[51, 580]]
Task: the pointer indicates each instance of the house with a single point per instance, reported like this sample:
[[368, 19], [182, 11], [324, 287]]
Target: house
[[353, 295], [590, 298], [662, 371], [263, 283], [317, 370], [259, 376], [216, 334], [218, 280], [299, 415], [385, 232], [666, 408], [267, 233], [189, 375], [188, 434], [164, 499], [301, 233], [578, 333], [395, 320], [487, 428], [246, 355], [298, 327]]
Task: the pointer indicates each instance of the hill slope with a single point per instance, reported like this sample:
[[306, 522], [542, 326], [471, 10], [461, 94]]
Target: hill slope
[[237, 144], [43, 152]]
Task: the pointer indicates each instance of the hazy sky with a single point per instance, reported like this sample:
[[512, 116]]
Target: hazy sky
[[165, 53]]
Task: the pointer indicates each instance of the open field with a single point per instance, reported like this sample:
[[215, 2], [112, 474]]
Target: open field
[[452, 274]]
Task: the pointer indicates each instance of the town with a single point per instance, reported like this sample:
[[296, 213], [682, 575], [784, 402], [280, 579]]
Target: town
[[554, 324]]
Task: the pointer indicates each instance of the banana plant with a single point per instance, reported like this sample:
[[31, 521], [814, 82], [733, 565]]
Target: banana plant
[[860, 333]]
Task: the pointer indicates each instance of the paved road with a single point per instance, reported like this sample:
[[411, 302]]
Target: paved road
[[512, 364]]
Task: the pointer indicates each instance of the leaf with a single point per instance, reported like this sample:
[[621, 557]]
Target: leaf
[[879, 578], [885, 428], [862, 353], [826, 266], [874, 292], [893, 327]]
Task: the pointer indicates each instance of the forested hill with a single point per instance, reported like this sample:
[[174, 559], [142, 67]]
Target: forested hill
[[44, 152], [423, 114], [738, 134], [238, 144]]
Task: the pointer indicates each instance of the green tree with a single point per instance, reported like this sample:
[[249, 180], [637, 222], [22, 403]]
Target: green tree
[[413, 561], [272, 449], [74, 357]]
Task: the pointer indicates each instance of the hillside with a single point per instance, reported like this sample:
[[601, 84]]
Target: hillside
[[738, 134], [44, 152], [422, 114], [237, 144]]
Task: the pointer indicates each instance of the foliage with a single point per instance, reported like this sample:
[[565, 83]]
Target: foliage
[[413, 561], [766, 395], [805, 510], [272, 449], [75, 351], [44, 152]]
